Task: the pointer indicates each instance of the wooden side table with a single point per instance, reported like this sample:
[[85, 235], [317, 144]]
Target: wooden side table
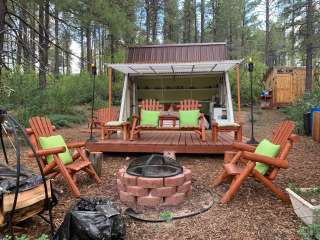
[[215, 129], [109, 129], [168, 117]]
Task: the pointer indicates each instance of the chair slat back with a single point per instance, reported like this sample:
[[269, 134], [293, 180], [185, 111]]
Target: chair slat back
[[189, 104], [150, 105], [102, 114], [283, 133], [41, 126], [281, 137]]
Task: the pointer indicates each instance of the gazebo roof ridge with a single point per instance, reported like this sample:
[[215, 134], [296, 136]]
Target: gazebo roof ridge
[[176, 44]]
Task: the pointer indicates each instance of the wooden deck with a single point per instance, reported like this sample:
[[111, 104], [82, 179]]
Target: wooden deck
[[158, 142]]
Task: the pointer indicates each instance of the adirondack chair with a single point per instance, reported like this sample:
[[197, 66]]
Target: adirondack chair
[[103, 116], [42, 127], [241, 164], [191, 104], [148, 105]]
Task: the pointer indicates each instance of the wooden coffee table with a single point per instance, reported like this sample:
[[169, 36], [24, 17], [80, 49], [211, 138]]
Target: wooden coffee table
[[168, 117]]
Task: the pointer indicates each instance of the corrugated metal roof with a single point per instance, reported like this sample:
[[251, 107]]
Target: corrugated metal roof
[[177, 53]]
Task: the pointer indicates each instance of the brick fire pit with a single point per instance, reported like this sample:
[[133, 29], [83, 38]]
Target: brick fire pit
[[153, 192]]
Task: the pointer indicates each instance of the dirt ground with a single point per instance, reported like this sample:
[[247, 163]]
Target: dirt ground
[[254, 213]]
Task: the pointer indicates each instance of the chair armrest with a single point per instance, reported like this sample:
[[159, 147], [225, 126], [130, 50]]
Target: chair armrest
[[99, 122], [76, 144], [243, 147], [263, 159], [294, 138], [46, 152]]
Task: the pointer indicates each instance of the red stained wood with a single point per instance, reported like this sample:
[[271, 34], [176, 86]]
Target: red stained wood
[[40, 127], [158, 142], [243, 162], [177, 53]]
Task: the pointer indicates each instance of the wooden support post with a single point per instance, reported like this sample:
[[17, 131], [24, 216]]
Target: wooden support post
[[110, 90], [238, 93], [96, 159]]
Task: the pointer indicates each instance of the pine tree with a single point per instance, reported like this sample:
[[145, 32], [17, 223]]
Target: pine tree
[[171, 21]]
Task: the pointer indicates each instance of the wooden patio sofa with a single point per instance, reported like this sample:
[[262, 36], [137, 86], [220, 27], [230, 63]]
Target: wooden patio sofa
[[242, 164], [154, 105]]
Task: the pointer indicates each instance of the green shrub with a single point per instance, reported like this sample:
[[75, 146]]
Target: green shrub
[[310, 232], [245, 84], [64, 120], [60, 97], [302, 105], [166, 216]]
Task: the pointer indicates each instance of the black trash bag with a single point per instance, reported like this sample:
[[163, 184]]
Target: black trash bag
[[92, 219]]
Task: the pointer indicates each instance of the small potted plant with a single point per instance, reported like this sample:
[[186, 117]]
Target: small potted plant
[[306, 203]]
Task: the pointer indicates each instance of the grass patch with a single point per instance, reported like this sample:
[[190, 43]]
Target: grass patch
[[166, 216]]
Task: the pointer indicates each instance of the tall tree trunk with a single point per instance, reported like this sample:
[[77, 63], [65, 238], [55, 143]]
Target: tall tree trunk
[[42, 57], [154, 8], [33, 35], [100, 50], [25, 42], [63, 63], [46, 34], [89, 50], [103, 48], [112, 48], [19, 42], [82, 50], [94, 42], [309, 46], [230, 42], [243, 29], [56, 49], [214, 14], [147, 9], [3, 7], [112, 53], [268, 59], [202, 12], [195, 21], [68, 63], [189, 22], [293, 39]]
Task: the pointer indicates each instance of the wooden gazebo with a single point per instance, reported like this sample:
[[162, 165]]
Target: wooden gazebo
[[170, 73]]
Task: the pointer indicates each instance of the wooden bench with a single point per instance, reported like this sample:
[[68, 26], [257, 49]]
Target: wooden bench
[[153, 105]]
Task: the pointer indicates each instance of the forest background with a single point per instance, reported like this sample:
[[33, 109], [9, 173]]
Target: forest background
[[47, 46]]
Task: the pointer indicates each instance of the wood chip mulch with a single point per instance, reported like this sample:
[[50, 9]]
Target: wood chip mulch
[[254, 213]]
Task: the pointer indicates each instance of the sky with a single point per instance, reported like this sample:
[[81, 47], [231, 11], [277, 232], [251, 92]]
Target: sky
[[75, 62]]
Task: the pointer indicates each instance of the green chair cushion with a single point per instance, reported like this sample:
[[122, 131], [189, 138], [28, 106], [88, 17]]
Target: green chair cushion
[[150, 118], [53, 142], [114, 123], [268, 149], [189, 118]]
